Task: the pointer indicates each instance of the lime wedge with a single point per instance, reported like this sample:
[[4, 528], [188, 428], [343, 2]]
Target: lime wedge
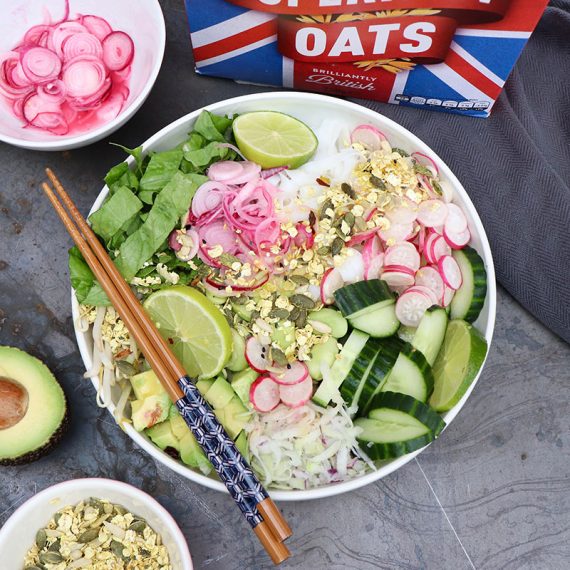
[[274, 139], [195, 328], [457, 364]]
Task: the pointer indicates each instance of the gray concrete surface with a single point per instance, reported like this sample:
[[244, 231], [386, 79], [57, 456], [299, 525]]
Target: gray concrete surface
[[492, 493]]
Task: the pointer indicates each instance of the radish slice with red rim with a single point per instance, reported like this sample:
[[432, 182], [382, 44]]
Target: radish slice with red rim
[[450, 272], [256, 355], [425, 160], [368, 136], [425, 291], [432, 213], [404, 254], [374, 267], [372, 248], [396, 232], [293, 373], [397, 278], [456, 222], [118, 50], [264, 394], [411, 307], [429, 277], [332, 280], [457, 240], [406, 213], [296, 395], [448, 295], [438, 248]]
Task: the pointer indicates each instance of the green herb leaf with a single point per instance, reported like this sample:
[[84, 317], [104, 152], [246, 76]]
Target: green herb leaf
[[161, 168], [212, 127]]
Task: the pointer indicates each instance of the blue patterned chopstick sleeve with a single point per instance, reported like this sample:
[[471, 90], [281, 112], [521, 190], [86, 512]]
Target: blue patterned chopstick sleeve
[[222, 452]]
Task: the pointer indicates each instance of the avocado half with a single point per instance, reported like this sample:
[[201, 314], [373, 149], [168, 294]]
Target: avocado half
[[33, 408]]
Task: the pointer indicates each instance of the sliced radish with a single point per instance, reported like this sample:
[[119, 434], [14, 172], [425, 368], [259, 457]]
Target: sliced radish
[[448, 295], [456, 222], [432, 213], [295, 395], [264, 394], [424, 291], [450, 272], [256, 355], [396, 232], [438, 248], [423, 159], [429, 277], [411, 307], [403, 253], [406, 213], [374, 267], [332, 280], [457, 240], [368, 136], [294, 373], [397, 278], [361, 237], [371, 249]]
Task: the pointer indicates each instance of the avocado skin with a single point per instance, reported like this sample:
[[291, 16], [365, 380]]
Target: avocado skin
[[32, 456]]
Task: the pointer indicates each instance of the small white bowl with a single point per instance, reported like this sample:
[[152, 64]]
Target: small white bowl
[[312, 109], [141, 19], [18, 534]]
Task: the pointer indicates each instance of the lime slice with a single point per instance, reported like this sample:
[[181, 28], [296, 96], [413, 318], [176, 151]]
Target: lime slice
[[194, 327], [457, 364], [274, 139]]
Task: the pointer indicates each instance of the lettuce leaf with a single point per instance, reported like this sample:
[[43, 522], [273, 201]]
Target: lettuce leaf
[[160, 169], [87, 288]]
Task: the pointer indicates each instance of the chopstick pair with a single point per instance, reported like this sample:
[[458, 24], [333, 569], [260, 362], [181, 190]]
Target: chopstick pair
[[246, 490]]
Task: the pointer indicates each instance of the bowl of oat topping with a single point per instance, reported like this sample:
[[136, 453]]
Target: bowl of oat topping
[[98, 524]]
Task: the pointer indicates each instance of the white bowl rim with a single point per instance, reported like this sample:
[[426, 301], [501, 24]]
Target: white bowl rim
[[491, 300], [90, 137], [79, 484]]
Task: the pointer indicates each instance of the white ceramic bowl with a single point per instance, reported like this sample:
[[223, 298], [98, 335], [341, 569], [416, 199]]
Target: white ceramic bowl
[[18, 534], [141, 19], [314, 109]]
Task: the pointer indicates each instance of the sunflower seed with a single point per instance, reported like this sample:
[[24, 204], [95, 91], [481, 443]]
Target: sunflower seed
[[301, 320], [51, 558], [279, 314], [347, 189], [278, 356], [299, 279], [88, 535], [41, 539], [337, 245], [138, 526], [377, 182], [302, 301]]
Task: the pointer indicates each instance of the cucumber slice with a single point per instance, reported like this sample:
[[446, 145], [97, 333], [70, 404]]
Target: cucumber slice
[[242, 312], [381, 368], [404, 403], [358, 296], [410, 375], [397, 425], [332, 318], [341, 367], [353, 384], [457, 364], [430, 333], [470, 297], [407, 333], [237, 360], [322, 353], [380, 323]]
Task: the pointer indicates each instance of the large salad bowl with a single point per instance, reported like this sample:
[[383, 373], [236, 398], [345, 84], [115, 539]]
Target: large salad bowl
[[314, 110]]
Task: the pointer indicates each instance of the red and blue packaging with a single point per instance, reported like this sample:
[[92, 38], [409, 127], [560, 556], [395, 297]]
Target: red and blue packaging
[[446, 55]]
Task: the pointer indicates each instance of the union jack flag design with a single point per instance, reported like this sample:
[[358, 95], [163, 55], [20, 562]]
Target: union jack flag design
[[233, 41]]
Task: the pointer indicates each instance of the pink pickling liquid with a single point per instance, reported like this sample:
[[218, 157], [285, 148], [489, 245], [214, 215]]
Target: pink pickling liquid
[[68, 115]]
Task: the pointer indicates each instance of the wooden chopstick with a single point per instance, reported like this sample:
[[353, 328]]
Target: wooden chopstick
[[267, 507], [273, 526]]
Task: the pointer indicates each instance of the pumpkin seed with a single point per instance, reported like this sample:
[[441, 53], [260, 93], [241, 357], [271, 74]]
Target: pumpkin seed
[[138, 526], [55, 546], [51, 558], [327, 205], [56, 518], [117, 549], [437, 187], [227, 259], [360, 224], [337, 245], [126, 368], [312, 219], [302, 301], [349, 219], [88, 535], [144, 552], [241, 300], [301, 320], [377, 182], [400, 151], [347, 189], [421, 169], [299, 279], [324, 250], [41, 539], [278, 356], [294, 314], [35, 568], [203, 271], [279, 314], [120, 510]]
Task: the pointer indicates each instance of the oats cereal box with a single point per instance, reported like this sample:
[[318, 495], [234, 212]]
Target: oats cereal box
[[448, 55]]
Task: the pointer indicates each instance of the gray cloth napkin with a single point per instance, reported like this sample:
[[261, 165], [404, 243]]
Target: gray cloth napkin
[[515, 166]]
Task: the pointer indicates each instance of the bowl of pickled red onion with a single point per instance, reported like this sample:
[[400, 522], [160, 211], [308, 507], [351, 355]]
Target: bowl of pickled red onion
[[74, 71]]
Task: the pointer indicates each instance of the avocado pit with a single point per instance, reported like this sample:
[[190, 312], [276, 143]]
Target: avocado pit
[[15, 399]]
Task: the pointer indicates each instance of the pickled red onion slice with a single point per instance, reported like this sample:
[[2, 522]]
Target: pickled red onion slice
[[118, 50]]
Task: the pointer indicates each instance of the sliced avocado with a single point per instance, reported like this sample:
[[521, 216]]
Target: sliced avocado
[[150, 411], [284, 336], [163, 435], [241, 383], [192, 455], [178, 425], [33, 409], [219, 395], [147, 384], [235, 417], [204, 385], [243, 445]]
